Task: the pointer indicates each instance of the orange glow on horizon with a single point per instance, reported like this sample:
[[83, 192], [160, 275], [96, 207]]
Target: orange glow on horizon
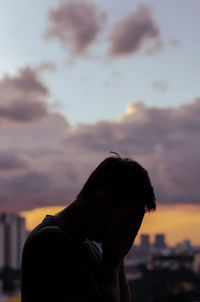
[[177, 222], [35, 216]]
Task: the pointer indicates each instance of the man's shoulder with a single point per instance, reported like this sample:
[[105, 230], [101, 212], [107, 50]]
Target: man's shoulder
[[49, 234], [50, 253], [52, 238]]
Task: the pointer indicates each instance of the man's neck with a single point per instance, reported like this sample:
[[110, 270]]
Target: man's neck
[[73, 220]]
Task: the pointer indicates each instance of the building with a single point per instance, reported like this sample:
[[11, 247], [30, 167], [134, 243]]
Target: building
[[1, 245], [196, 263], [160, 242], [12, 238], [144, 242], [187, 247]]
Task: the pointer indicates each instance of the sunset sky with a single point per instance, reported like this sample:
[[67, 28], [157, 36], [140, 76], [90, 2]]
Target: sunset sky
[[177, 222], [81, 78]]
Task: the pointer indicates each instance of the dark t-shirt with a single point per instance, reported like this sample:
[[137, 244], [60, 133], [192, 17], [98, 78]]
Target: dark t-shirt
[[56, 266]]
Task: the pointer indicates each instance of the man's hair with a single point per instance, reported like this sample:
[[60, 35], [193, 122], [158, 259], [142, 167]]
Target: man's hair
[[125, 180]]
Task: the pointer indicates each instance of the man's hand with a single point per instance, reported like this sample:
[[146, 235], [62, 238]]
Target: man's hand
[[120, 236]]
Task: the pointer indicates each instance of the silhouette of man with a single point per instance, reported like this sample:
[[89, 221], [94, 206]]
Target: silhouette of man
[[61, 263]]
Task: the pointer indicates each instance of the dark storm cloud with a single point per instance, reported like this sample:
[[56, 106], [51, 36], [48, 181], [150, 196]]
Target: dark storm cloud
[[130, 34], [77, 24], [23, 97]]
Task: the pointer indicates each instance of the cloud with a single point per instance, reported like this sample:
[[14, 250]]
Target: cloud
[[23, 97], [28, 81], [59, 159], [76, 24], [22, 111], [29, 183], [131, 109], [29, 133], [164, 140], [131, 33], [46, 161], [11, 161]]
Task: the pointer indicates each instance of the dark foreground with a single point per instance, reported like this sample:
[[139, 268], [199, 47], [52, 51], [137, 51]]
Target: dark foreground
[[166, 285]]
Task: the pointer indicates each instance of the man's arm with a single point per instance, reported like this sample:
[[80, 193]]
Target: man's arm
[[125, 295], [115, 286], [110, 291], [115, 247], [53, 272]]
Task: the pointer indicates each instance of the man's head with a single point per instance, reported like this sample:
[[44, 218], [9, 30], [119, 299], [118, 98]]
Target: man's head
[[117, 192], [124, 179]]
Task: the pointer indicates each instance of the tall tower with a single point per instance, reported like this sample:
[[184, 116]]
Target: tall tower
[[144, 242], [14, 235], [160, 241], [10, 239], [1, 244]]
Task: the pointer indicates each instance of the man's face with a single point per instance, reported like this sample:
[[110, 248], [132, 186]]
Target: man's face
[[115, 216]]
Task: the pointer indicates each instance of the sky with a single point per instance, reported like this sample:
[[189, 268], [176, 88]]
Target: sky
[[81, 78]]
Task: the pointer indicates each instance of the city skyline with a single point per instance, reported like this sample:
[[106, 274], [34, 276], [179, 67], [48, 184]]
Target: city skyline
[[13, 233], [149, 257]]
